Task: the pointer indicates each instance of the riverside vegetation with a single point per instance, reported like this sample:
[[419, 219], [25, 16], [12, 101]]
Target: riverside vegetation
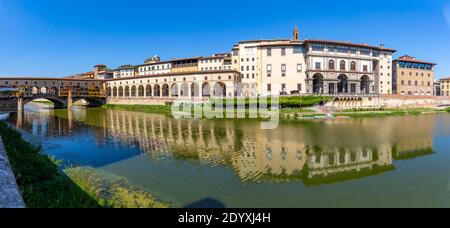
[[44, 185]]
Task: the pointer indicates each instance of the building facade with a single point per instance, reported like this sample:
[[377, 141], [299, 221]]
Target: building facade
[[294, 66], [176, 85], [445, 86], [413, 77]]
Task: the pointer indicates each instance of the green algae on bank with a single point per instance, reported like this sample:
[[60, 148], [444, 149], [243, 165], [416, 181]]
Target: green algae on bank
[[112, 191]]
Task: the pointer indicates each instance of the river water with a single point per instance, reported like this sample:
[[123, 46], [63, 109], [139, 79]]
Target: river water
[[401, 161]]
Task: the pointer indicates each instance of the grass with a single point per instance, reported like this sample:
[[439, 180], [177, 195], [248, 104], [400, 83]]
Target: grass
[[357, 113], [156, 109], [41, 183]]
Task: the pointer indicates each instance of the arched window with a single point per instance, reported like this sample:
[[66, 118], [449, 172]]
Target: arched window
[[342, 65], [353, 66], [331, 65]]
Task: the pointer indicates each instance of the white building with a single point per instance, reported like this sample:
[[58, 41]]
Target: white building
[[215, 62], [154, 66]]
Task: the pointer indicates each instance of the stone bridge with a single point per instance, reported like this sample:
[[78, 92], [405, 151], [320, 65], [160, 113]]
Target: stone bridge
[[16, 92]]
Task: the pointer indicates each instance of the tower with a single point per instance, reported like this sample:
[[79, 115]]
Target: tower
[[296, 34]]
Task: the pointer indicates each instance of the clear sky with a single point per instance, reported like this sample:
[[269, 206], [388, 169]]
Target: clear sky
[[61, 37]]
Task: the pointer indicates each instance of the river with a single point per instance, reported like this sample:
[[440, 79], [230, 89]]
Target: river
[[401, 161]]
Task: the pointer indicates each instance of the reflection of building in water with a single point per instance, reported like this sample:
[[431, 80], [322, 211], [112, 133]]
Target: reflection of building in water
[[413, 148], [258, 156], [313, 152]]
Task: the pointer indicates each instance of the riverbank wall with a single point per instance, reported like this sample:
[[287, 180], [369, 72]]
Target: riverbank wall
[[10, 196], [389, 101], [339, 102]]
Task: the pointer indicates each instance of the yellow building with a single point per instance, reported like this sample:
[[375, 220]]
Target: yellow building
[[445, 86], [413, 77]]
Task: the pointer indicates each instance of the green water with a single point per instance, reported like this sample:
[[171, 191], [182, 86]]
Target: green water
[[372, 162]]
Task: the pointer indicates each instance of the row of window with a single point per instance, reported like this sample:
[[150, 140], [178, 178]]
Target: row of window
[[296, 50], [158, 67], [409, 65], [416, 83], [211, 61], [283, 87], [215, 68], [283, 69], [345, 50], [342, 66], [417, 74]]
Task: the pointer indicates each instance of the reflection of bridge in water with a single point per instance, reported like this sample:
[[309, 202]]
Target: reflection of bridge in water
[[314, 153]]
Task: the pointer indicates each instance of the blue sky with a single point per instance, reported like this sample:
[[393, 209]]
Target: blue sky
[[61, 37]]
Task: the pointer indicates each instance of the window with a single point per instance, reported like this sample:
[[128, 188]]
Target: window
[[299, 67], [318, 66], [299, 87], [331, 65], [283, 51], [353, 66], [269, 87], [283, 70], [283, 87], [317, 47], [269, 68], [403, 82], [298, 50], [366, 68], [253, 68], [269, 51], [342, 65]]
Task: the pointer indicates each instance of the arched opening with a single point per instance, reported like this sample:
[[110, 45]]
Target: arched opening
[[317, 84], [127, 91], [220, 90], [43, 90], [133, 91], [114, 92], [184, 90], [195, 90], [35, 90], [365, 84], [109, 91], [148, 91], [174, 90], [353, 66], [342, 65], [157, 91], [331, 65], [121, 91], [165, 90], [53, 91], [206, 90], [342, 85], [141, 91]]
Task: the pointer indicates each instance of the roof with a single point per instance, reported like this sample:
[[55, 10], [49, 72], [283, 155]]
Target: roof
[[259, 41], [47, 79], [349, 44], [410, 59], [445, 79]]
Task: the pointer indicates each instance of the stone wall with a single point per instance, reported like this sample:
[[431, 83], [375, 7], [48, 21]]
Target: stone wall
[[10, 196], [389, 101]]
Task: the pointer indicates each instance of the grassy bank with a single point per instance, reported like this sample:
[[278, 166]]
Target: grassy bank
[[41, 183], [112, 191], [387, 112], [156, 109]]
